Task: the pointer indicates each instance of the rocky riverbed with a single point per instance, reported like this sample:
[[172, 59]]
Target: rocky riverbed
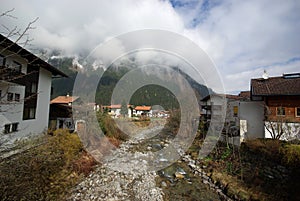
[[125, 175]]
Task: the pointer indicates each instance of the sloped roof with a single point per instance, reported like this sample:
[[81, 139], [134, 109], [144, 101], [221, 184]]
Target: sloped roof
[[143, 108], [34, 60], [64, 99], [227, 96], [118, 106], [288, 84]]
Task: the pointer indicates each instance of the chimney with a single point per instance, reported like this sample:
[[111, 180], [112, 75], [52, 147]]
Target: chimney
[[265, 75]]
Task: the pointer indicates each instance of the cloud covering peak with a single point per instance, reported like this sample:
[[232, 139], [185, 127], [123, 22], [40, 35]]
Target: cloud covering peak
[[242, 37]]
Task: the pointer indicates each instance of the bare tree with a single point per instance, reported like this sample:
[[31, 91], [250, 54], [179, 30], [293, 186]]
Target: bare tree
[[277, 126], [21, 35], [12, 36]]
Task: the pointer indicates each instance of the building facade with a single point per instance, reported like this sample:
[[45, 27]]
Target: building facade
[[281, 98], [25, 87]]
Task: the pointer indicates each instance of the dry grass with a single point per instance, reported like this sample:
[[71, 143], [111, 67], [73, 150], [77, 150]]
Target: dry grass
[[45, 172]]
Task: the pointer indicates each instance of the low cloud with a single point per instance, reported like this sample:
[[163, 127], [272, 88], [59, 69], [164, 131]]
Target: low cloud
[[242, 37]]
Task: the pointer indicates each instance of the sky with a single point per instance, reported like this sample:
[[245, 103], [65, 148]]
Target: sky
[[243, 38]]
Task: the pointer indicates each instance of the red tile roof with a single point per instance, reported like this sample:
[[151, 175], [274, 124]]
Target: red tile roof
[[118, 106], [143, 108], [115, 106], [288, 84], [64, 99]]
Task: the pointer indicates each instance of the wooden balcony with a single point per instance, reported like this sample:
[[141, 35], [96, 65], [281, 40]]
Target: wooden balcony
[[10, 75]]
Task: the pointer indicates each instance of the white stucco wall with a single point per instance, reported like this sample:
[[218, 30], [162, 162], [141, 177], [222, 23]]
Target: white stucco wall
[[31, 127], [11, 112], [249, 120], [40, 123], [253, 113]]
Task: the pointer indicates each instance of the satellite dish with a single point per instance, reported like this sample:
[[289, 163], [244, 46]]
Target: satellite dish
[[265, 75]]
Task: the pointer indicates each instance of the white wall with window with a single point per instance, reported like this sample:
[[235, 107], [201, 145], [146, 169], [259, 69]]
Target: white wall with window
[[12, 124], [37, 121], [11, 106]]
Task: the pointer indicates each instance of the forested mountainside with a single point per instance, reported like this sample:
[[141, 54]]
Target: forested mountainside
[[147, 95]]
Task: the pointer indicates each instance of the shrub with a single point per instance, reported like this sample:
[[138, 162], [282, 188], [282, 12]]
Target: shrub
[[173, 122], [46, 171], [266, 147], [291, 154], [109, 127]]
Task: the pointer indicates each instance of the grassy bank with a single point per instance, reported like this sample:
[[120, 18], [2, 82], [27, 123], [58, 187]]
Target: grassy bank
[[261, 169], [46, 171]]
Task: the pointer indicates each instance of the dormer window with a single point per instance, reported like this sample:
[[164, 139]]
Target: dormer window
[[16, 66]]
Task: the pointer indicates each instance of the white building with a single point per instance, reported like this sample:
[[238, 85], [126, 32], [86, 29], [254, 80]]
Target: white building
[[244, 118], [25, 87], [142, 110], [115, 110]]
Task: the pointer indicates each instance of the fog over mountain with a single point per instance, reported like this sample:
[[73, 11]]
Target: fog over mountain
[[242, 37]]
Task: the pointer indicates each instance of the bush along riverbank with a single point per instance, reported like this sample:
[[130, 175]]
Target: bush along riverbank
[[46, 171], [261, 169]]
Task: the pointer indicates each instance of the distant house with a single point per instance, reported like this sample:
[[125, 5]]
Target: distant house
[[281, 98], [115, 110], [25, 86], [243, 120], [65, 100], [61, 112], [160, 113], [142, 110]]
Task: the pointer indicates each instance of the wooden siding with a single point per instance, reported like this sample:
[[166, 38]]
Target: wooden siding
[[288, 102]]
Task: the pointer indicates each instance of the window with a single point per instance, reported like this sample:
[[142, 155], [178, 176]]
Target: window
[[14, 127], [297, 111], [33, 87], [280, 111], [10, 96], [17, 97], [235, 111], [16, 66], [29, 113], [2, 60], [7, 128]]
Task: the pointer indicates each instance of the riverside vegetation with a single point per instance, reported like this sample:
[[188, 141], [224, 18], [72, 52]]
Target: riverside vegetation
[[258, 170], [52, 166]]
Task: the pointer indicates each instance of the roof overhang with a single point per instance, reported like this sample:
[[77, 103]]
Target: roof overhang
[[9, 45]]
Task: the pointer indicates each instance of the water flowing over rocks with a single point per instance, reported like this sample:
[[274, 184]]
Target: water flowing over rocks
[[122, 176], [125, 174]]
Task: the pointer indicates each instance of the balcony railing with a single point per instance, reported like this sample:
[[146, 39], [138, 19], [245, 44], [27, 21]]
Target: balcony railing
[[10, 74]]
